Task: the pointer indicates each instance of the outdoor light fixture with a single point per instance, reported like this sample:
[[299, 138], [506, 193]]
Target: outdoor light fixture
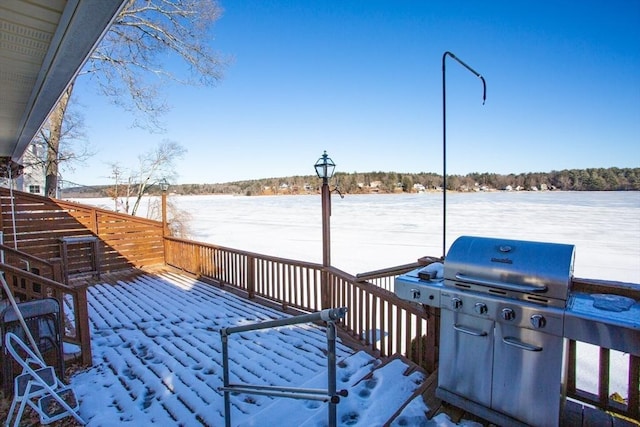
[[164, 185], [325, 167]]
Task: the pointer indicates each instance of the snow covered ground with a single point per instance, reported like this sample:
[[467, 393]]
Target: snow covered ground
[[157, 361]]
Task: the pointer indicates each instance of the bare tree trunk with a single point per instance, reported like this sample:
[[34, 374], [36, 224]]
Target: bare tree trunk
[[55, 122]]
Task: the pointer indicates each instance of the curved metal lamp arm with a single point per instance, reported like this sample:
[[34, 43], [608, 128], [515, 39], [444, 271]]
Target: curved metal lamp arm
[[484, 83], [444, 138], [337, 189]]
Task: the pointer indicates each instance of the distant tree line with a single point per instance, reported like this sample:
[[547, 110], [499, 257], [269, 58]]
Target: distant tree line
[[596, 179]]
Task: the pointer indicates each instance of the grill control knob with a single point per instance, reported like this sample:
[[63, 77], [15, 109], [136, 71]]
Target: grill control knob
[[456, 303], [508, 314], [538, 321], [480, 308]]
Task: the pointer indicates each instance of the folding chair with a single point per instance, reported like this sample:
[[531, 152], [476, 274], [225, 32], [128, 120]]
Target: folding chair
[[42, 317], [39, 387]]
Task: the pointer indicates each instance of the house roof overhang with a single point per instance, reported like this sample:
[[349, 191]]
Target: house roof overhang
[[43, 45]]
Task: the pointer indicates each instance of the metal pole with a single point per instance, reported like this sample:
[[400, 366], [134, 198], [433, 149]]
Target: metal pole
[[326, 315], [326, 228], [225, 380], [444, 158], [444, 139], [331, 373], [164, 213], [326, 242]]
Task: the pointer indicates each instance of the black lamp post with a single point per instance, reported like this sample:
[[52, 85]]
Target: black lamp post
[[444, 138], [325, 168]]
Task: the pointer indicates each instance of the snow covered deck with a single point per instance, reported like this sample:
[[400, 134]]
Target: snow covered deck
[[157, 360]]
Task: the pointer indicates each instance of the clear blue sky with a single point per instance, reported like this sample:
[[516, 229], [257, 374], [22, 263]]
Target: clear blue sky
[[363, 80]]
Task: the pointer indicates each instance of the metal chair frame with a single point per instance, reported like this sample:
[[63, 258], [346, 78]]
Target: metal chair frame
[[43, 319], [38, 387]]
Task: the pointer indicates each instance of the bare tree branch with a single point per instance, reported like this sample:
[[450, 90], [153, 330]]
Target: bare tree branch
[[153, 166], [144, 37], [130, 65]]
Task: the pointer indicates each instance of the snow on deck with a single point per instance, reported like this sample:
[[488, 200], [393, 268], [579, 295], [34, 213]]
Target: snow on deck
[[157, 359]]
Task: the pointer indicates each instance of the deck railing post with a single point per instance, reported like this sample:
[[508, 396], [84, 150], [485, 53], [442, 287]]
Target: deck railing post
[[251, 276], [57, 270], [82, 324], [432, 345], [199, 268], [324, 289]]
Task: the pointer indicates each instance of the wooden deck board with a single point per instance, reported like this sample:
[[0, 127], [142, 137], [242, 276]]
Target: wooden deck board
[[574, 414]]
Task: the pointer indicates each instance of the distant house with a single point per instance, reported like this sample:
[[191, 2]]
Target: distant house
[[419, 188], [374, 187], [32, 179]]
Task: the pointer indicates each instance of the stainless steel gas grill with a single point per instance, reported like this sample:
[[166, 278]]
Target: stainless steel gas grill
[[501, 327]]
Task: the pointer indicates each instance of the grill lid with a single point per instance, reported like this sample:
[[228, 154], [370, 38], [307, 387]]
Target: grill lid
[[510, 267]]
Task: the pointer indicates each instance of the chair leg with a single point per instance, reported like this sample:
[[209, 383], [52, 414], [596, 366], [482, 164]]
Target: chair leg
[[23, 404], [7, 422]]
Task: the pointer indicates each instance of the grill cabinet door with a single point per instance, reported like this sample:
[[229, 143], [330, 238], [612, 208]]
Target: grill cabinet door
[[466, 356], [528, 369]]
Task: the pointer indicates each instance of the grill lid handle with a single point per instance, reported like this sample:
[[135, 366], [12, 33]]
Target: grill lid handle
[[501, 285]]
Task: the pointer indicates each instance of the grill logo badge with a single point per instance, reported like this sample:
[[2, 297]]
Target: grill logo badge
[[502, 260]]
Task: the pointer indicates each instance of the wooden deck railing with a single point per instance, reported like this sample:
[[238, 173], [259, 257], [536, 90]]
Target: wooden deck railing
[[34, 229], [51, 269], [37, 225], [385, 323], [604, 398], [377, 318], [27, 286]]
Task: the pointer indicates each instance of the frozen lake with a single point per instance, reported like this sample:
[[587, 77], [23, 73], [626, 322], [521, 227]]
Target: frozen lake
[[369, 232]]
